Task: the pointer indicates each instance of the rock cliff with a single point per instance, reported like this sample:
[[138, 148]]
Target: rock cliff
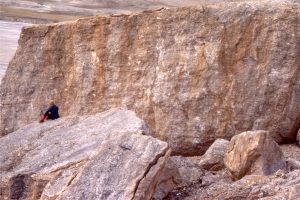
[[104, 156], [193, 74]]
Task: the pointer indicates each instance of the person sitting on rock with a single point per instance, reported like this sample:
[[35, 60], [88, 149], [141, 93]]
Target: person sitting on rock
[[51, 113]]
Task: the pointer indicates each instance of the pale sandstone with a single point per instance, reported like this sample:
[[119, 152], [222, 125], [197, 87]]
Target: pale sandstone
[[193, 74], [253, 152], [104, 156]]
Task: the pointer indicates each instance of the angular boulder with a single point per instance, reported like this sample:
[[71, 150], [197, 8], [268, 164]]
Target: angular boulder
[[213, 159], [253, 152], [194, 74], [103, 156]]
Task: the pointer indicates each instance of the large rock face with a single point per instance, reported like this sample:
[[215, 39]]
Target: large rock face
[[253, 152], [193, 74], [104, 156]]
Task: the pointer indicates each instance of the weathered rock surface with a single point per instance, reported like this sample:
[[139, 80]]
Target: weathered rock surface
[[193, 74], [189, 191], [213, 159], [291, 151], [179, 171], [292, 164], [104, 156], [212, 185], [278, 187], [253, 152]]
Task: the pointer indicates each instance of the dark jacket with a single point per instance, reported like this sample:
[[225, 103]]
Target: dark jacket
[[52, 112]]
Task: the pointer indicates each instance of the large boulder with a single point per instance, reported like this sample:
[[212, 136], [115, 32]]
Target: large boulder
[[213, 159], [253, 152], [193, 74], [104, 156]]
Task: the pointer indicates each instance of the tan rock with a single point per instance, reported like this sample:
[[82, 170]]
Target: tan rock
[[194, 74], [213, 159], [104, 156], [253, 152]]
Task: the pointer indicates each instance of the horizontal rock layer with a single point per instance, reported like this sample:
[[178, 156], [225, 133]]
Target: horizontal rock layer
[[104, 156], [193, 74]]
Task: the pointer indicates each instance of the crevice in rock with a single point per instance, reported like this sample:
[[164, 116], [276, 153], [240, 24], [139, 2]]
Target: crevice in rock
[[69, 165], [18, 187], [151, 164], [295, 130], [24, 186], [59, 171], [181, 192]]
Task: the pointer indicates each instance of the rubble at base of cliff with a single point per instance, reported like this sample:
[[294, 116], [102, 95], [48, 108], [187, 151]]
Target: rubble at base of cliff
[[110, 155]]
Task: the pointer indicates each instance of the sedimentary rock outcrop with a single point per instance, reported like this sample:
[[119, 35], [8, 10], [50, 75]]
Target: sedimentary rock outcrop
[[104, 156], [193, 74], [213, 159], [253, 152]]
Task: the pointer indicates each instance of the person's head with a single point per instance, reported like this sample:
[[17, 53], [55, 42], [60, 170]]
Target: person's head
[[51, 102]]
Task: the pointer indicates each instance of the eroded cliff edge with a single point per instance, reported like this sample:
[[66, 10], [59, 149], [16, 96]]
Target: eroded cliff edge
[[193, 74]]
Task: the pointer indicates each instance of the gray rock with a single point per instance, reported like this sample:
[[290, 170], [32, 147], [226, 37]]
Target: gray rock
[[291, 151], [179, 171], [104, 156], [253, 152], [213, 159], [292, 164]]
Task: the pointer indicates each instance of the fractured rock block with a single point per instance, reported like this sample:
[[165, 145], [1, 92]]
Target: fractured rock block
[[102, 156], [253, 152]]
